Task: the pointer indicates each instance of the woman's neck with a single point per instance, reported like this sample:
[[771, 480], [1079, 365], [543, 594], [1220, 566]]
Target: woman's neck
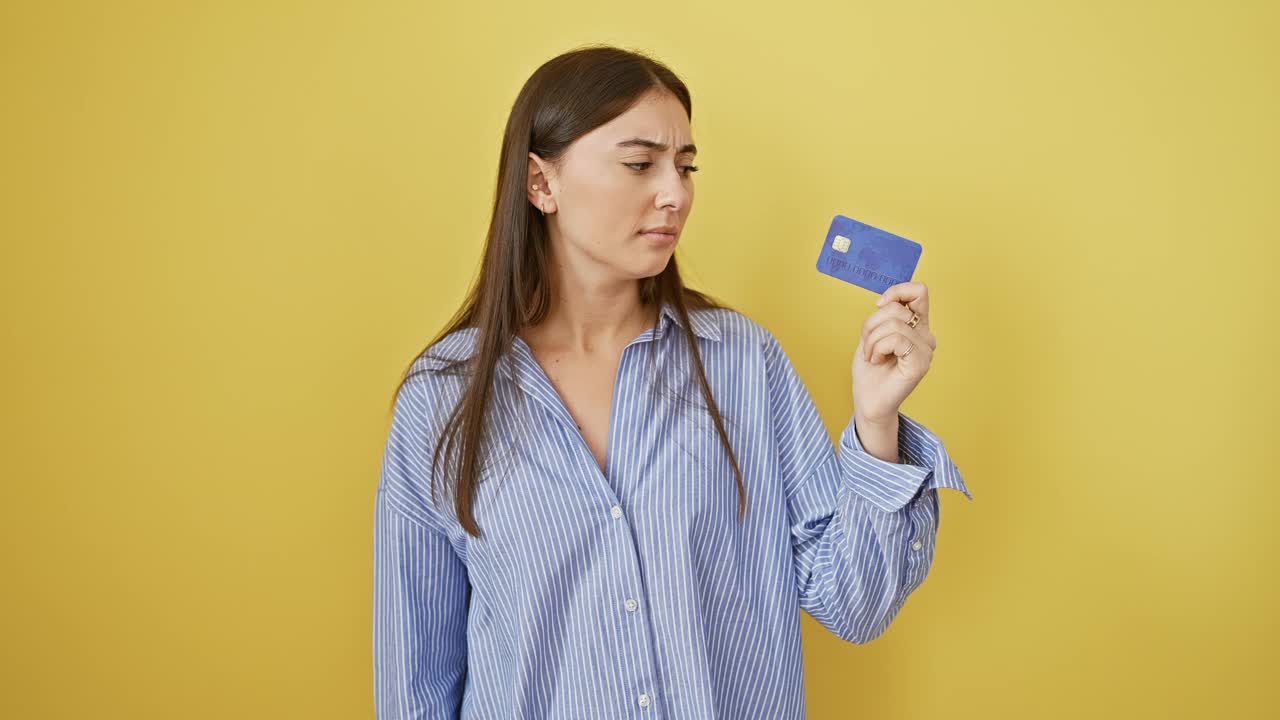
[[586, 323]]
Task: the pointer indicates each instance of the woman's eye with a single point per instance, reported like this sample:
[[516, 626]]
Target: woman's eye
[[685, 170]]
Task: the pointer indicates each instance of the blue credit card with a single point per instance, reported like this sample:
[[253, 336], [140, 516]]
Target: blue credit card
[[866, 256]]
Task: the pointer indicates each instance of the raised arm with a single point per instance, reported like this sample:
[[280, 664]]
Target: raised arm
[[862, 529]]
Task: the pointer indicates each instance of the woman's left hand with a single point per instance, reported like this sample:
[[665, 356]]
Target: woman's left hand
[[892, 357]]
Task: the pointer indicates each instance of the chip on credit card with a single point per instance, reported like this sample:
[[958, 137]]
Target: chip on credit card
[[866, 256]]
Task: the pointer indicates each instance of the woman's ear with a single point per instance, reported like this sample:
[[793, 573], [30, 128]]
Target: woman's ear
[[539, 186], [535, 183]]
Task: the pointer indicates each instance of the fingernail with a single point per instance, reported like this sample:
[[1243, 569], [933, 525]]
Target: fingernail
[[880, 301]]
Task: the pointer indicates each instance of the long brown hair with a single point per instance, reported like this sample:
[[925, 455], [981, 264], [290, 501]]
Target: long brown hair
[[565, 98]]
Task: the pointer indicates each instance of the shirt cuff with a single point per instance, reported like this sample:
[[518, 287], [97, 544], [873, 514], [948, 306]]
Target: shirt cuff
[[890, 486]]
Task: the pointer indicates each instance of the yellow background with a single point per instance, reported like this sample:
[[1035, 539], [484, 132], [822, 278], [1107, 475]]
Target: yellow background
[[227, 227]]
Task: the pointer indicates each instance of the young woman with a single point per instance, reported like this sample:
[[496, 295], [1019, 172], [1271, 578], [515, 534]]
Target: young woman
[[643, 496]]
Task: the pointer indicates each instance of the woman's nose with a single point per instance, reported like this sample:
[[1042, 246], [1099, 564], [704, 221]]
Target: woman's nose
[[673, 191]]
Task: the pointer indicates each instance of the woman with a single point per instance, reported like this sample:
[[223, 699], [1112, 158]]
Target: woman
[[643, 494]]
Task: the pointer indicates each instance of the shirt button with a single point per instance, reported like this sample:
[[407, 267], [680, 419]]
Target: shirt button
[[917, 545], [616, 512], [632, 605], [643, 700]]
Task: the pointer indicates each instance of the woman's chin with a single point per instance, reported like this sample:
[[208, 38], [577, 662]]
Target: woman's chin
[[652, 266]]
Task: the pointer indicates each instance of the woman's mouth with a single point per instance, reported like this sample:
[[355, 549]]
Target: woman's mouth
[[659, 236]]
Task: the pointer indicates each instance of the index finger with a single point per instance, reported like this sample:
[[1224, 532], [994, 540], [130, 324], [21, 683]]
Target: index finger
[[912, 294]]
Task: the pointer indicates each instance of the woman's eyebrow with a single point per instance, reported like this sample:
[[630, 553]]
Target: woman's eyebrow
[[654, 145]]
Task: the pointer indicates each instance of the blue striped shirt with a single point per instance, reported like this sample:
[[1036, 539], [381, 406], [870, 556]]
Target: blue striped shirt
[[636, 592]]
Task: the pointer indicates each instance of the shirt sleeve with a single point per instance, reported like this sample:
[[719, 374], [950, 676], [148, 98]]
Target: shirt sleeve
[[421, 591], [862, 529]]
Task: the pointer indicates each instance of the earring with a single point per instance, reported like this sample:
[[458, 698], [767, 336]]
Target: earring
[[535, 187]]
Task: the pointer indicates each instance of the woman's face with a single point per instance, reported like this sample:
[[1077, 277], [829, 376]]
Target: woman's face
[[626, 176]]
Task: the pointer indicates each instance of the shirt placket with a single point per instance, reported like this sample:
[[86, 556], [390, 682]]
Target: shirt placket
[[629, 591]]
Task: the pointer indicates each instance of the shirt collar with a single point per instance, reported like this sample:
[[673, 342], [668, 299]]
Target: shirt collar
[[704, 325]]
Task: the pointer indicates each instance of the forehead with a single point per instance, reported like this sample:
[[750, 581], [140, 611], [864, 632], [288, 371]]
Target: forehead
[[658, 117]]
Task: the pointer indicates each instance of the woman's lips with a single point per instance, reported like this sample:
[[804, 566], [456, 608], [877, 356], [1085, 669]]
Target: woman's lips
[[662, 237]]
